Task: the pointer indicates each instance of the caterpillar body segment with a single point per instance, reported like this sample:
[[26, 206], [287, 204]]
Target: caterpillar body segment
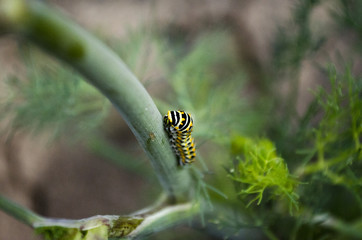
[[179, 125]]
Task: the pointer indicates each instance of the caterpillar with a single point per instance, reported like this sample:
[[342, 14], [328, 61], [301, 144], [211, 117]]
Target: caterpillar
[[178, 125]]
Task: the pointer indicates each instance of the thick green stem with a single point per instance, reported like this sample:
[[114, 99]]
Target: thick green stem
[[19, 212], [165, 218], [154, 219], [37, 23]]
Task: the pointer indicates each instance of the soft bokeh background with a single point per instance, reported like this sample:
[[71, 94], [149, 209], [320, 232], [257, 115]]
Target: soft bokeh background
[[64, 179]]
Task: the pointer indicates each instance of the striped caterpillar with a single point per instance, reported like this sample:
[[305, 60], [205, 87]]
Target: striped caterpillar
[[178, 125]]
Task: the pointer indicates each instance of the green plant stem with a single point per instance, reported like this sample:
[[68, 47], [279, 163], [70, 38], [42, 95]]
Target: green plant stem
[[322, 166], [19, 212], [269, 234], [166, 218], [350, 229], [33, 21], [155, 218]]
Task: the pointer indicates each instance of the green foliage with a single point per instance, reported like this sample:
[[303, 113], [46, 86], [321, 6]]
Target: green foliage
[[334, 163], [62, 233], [52, 97], [337, 136], [120, 227], [208, 82], [321, 149], [144, 53], [123, 226], [259, 168], [292, 45], [350, 16], [59, 233]]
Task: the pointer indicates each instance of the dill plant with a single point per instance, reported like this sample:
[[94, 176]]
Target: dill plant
[[39, 24], [335, 160], [242, 181], [51, 97], [322, 150], [208, 82], [258, 168], [337, 135]]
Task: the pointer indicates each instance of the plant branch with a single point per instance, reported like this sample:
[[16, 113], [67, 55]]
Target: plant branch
[[105, 226], [33, 21], [19, 212]]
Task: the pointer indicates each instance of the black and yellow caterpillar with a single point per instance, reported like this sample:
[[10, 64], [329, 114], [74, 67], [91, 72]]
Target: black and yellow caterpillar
[[178, 125]]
